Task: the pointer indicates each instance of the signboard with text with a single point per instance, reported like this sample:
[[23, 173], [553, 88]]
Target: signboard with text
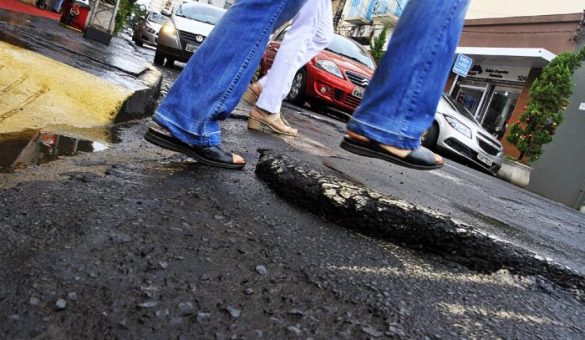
[[462, 65]]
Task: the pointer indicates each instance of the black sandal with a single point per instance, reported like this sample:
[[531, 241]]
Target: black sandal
[[209, 155], [419, 159]]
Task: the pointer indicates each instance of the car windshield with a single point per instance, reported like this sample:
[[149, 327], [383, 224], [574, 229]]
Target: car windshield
[[460, 108], [156, 18], [204, 13], [351, 50]]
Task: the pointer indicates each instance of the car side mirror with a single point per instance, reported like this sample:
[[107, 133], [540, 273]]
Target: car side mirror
[[165, 12]]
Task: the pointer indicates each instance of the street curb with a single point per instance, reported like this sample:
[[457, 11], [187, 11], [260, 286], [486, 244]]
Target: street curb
[[141, 103], [372, 213]]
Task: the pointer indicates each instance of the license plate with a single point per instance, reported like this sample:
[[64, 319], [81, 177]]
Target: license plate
[[191, 47], [485, 160], [358, 92]]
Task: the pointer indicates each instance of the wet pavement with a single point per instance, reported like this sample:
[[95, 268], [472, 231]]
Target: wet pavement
[[138, 242], [116, 63], [29, 148]]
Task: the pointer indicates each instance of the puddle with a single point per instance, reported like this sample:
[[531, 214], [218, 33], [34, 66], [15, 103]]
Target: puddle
[[22, 149]]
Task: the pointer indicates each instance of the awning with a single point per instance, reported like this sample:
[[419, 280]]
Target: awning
[[527, 57]]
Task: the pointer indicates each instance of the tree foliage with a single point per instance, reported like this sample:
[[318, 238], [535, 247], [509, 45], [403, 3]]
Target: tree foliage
[[549, 97], [378, 44]]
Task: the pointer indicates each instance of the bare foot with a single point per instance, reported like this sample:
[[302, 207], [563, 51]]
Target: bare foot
[[402, 153], [237, 159]]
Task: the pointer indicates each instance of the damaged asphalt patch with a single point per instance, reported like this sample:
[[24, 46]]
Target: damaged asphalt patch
[[375, 214]]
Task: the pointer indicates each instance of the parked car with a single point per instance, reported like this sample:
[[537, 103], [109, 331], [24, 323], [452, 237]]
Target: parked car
[[456, 131], [337, 77], [147, 28], [185, 31]]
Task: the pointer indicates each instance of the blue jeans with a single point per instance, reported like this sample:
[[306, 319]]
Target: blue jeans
[[216, 76], [401, 100], [398, 106]]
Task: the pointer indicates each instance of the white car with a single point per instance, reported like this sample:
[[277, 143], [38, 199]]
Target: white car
[[456, 131], [185, 31]]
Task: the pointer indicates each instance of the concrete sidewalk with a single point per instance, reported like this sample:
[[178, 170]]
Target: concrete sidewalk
[[69, 80]]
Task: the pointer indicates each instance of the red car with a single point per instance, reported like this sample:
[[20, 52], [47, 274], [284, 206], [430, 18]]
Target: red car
[[337, 77]]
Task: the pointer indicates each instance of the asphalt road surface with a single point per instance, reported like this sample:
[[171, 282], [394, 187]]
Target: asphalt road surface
[[138, 242]]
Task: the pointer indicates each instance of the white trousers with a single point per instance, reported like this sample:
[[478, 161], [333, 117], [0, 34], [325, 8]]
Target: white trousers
[[311, 31]]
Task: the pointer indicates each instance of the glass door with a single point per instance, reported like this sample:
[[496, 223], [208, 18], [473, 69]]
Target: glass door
[[499, 110], [472, 97]]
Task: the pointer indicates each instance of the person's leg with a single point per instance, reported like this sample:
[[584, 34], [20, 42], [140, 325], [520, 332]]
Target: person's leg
[[215, 77], [311, 31], [401, 100]]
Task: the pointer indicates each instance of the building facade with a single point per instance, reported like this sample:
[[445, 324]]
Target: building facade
[[560, 172], [362, 20], [509, 54]]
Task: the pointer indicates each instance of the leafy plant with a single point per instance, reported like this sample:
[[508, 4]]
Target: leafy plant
[[549, 97], [125, 10], [378, 44]]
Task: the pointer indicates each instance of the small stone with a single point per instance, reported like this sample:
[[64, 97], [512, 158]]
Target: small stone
[[261, 270], [234, 312], [176, 321], [72, 296], [162, 313], [148, 304], [34, 301], [186, 308], [203, 317], [163, 264], [248, 291], [219, 217], [295, 330], [14, 317], [296, 311], [372, 331], [205, 277], [61, 304]]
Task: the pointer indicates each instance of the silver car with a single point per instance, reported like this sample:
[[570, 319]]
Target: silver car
[[185, 31], [456, 131], [146, 31]]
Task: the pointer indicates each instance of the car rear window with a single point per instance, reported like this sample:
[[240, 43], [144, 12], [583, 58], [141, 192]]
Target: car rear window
[[203, 13]]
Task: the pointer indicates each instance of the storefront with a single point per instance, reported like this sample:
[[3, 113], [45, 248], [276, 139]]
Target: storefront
[[498, 80]]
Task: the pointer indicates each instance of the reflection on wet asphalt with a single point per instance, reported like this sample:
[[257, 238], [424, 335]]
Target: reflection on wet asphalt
[[18, 150]]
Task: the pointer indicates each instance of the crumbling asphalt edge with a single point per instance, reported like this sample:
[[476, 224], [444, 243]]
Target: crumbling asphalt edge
[[374, 214]]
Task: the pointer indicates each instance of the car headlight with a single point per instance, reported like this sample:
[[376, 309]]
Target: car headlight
[[331, 67], [457, 125], [168, 28]]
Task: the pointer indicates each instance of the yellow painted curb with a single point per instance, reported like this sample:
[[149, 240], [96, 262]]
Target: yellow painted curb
[[37, 92]]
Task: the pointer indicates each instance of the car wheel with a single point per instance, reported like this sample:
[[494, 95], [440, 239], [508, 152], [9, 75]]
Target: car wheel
[[430, 136], [138, 42], [297, 90], [159, 58], [170, 62]]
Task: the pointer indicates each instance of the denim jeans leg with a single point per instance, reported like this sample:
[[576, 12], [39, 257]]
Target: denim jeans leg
[[217, 75], [401, 100]]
